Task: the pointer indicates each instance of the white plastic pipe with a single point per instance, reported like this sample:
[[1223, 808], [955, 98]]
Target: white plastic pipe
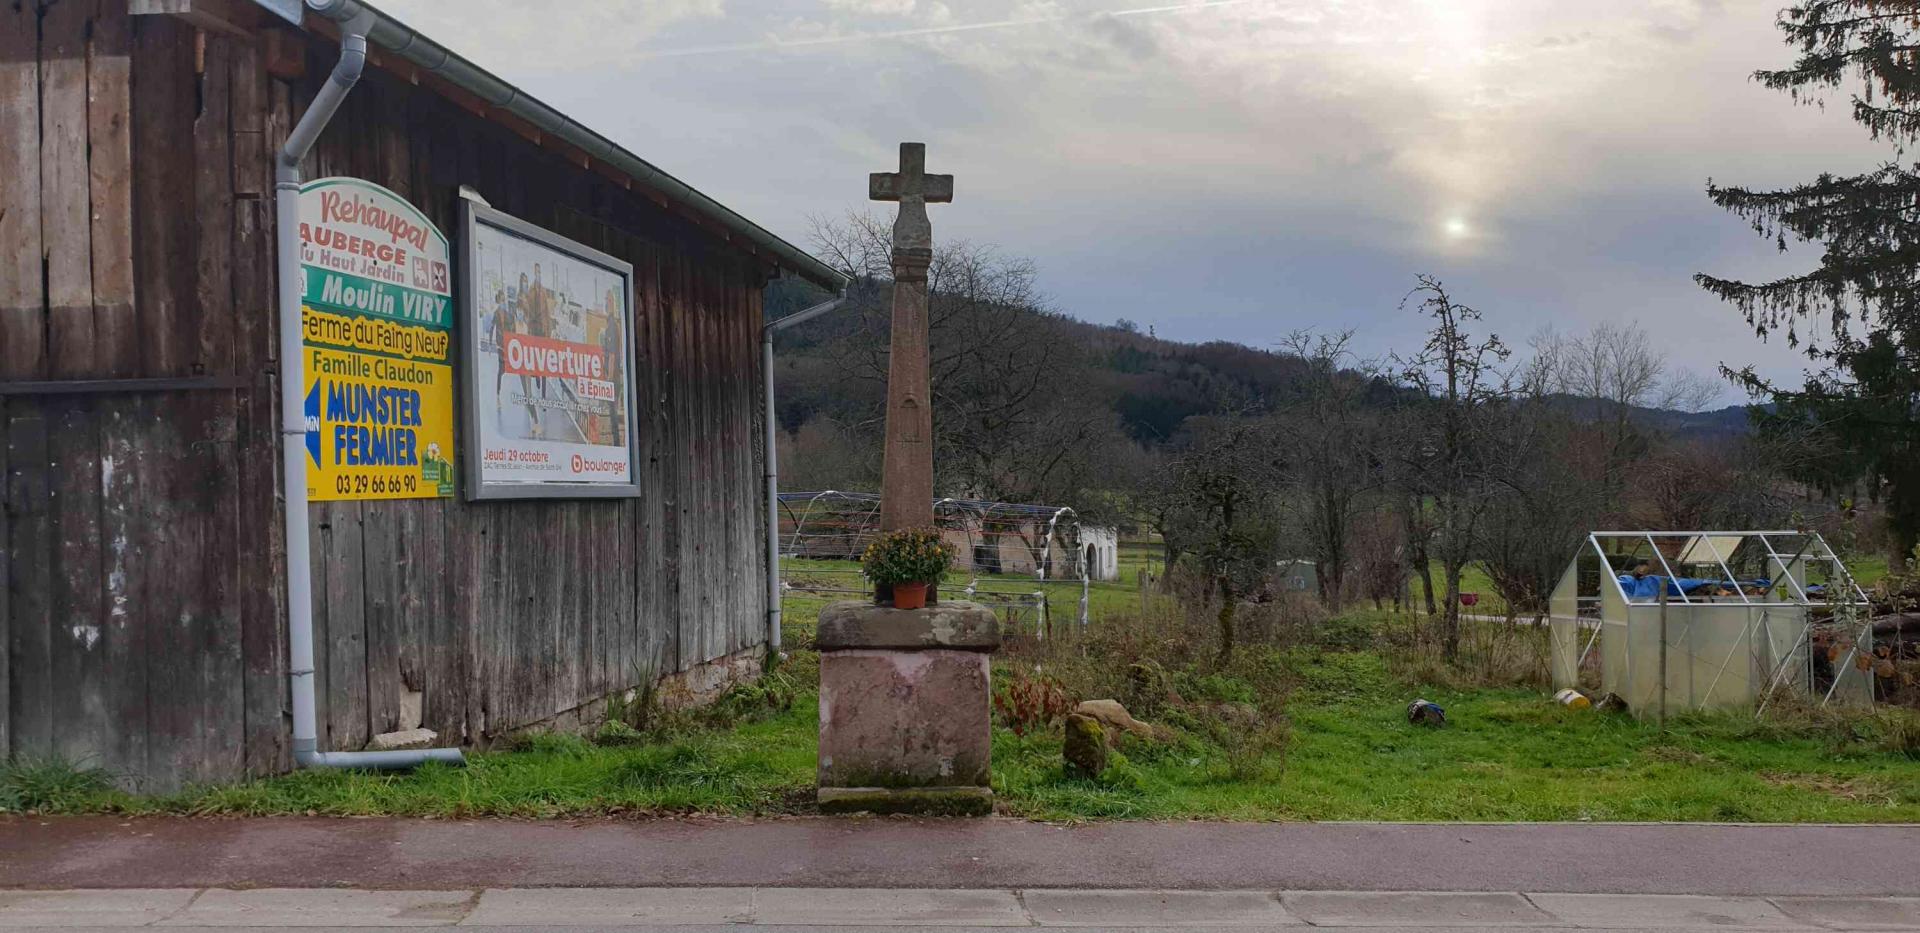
[[355, 21], [773, 461]]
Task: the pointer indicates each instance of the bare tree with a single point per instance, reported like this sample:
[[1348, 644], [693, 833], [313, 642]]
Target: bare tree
[[1612, 371], [1416, 524], [1619, 369], [1458, 380], [1708, 484], [823, 454], [1222, 508], [1328, 452], [1016, 419], [1380, 558], [1544, 465]]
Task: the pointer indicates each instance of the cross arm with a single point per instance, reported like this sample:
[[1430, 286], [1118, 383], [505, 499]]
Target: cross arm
[[883, 186], [891, 186]]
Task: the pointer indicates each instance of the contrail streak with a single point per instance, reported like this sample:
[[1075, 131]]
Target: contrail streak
[[778, 44]]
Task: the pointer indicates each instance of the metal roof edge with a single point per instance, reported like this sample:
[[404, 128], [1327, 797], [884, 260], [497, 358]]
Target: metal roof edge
[[402, 40]]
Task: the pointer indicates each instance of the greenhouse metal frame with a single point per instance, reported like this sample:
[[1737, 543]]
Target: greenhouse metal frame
[[1706, 636]]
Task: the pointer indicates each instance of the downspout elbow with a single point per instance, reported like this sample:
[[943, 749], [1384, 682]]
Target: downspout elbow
[[346, 73], [353, 56], [401, 760]]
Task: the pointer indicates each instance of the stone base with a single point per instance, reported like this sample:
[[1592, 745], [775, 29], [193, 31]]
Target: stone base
[[924, 801], [905, 708], [961, 626]]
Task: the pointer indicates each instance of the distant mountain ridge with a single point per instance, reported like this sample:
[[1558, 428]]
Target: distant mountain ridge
[[1152, 384], [1162, 382], [1731, 421]]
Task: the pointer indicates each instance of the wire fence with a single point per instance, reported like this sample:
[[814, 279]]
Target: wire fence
[[1015, 556], [1023, 605]]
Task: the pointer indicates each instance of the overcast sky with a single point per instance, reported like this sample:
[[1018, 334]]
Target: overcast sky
[[1230, 170]]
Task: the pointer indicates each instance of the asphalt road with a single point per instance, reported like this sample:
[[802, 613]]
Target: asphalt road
[[96, 852]]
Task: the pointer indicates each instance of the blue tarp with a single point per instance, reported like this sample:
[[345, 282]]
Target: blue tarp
[[1647, 588]]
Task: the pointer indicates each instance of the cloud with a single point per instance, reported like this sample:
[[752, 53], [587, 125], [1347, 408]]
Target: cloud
[[926, 12], [512, 36], [1136, 41], [1231, 169]]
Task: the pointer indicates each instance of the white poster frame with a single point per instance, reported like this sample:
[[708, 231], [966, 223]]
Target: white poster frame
[[473, 329]]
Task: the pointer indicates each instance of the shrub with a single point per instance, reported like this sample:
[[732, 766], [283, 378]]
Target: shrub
[[616, 732], [1844, 728], [1232, 715], [639, 708], [1897, 732], [1353, 632], [1148, 688], [639, 715], [911, 555], [49, 784], [1029, 704], [1492, 654], [751, 700], [1218, 687]]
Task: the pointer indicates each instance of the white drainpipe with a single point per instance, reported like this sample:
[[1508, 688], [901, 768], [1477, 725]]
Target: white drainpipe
[[773, 462], [355, 20]]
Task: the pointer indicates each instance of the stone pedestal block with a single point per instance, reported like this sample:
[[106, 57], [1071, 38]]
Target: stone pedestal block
[[905, 708]]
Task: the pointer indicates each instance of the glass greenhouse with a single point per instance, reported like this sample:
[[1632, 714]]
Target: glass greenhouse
[[1669, 621]]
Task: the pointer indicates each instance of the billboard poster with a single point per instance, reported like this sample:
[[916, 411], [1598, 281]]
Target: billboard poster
[[377, 322], [549, 369]]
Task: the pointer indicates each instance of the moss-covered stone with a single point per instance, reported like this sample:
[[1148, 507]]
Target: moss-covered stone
[[1085, 748], [1147, 687]]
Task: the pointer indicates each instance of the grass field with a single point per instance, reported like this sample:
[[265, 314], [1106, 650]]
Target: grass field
[[1507, 754]]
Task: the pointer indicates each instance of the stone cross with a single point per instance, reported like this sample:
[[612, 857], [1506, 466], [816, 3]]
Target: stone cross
[[906, 487]]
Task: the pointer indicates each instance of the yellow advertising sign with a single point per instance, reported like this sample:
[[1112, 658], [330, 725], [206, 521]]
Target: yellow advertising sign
[[378, 428], [377, 333]]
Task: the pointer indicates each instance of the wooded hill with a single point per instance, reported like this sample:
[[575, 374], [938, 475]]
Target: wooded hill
[[1149, 384], [1008, 375]]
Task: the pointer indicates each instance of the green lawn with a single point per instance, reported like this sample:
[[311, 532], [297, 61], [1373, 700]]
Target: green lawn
[[1507, 754], [1868, 570]]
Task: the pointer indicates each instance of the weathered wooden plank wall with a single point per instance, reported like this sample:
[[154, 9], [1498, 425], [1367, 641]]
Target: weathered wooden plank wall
[[142, 623], [123, 562]]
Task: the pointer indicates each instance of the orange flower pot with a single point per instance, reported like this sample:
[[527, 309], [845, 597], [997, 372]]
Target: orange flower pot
[[909, 595]]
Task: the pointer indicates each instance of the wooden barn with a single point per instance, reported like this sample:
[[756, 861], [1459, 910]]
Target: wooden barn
[[144, 618]]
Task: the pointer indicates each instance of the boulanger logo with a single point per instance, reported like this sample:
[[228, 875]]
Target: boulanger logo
[[584, 465]]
